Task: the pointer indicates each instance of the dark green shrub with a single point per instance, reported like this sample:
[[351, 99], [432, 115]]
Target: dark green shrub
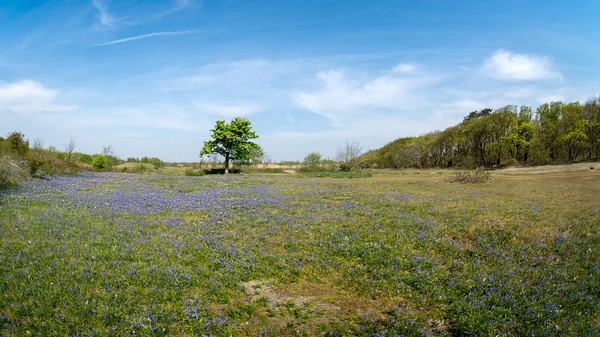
[[346, 167], [15, 144], [156, 162], [221, 171], [194, 173], [98, 162]]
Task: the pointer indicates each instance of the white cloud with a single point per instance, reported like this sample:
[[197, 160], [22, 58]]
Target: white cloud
[[144, 36], [342, 96], [404, 68], [106, 19], [228, 111], [506, 65], [29, 96]]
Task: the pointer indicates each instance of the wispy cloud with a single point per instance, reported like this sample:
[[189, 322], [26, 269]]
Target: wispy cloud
[[178, 5], [506, 65], [144, 36], [343, 96], [106, 19], [29, 96], [405, 68]]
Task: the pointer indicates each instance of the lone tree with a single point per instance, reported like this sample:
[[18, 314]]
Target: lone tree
[[347, 155], [232, 141]]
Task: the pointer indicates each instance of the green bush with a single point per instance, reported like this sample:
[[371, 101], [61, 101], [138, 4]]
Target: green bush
[[35, 160], [99, 162], [44, 163], [221, 171], [16, 144], [194, 173], [85, 159], [156, 162], [312, 159], [140, 168]]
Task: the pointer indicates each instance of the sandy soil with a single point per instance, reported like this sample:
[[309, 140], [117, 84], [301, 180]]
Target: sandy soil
[[578, 167]]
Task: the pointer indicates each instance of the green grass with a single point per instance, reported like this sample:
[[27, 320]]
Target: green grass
[[396, 254]]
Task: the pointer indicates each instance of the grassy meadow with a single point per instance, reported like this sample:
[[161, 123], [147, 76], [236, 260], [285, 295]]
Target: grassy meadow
[[398, 253]]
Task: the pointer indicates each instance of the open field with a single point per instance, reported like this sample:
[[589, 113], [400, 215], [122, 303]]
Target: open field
[[401, 253]]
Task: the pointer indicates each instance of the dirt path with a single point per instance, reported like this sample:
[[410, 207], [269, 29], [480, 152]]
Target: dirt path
[[578, 167]]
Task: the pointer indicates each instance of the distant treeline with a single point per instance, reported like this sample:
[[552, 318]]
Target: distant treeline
[[146, 160], [555, 133]]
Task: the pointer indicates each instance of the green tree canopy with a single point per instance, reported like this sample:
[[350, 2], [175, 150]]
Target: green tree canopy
[[232, 141]]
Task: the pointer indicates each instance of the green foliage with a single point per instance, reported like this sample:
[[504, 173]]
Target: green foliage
[[312, 159], [85, 159], [39, 162], [507, 136], [156, 162], [99, 162], [232, 141], [477, 114], [14, 144], [212, 171], [194, 173]]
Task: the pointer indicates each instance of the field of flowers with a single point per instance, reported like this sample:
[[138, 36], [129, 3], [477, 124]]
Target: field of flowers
[[269, 255]]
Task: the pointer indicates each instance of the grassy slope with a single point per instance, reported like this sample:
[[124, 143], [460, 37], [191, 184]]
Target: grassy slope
[[403, 251]]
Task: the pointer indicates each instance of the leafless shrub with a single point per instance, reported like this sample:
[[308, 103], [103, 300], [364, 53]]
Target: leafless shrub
[[477, 176]]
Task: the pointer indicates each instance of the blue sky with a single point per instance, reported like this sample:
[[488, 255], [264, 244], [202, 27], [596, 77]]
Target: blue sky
[[150, 78]]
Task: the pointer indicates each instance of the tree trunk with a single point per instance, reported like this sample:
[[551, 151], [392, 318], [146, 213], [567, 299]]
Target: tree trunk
[[227, 161]]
